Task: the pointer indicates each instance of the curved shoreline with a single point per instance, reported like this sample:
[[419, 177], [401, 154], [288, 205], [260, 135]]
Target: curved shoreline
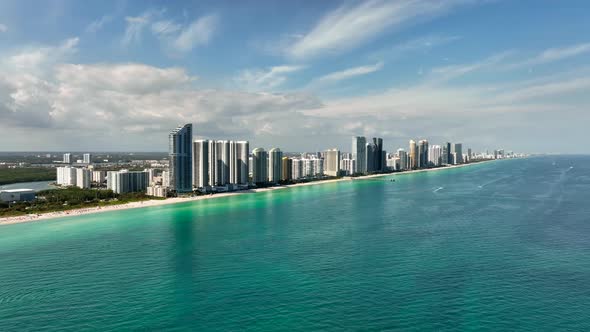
[[176, 200]]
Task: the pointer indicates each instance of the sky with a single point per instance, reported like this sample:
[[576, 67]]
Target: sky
[[298, 75]]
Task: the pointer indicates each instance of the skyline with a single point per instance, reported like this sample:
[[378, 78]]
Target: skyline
[[303, 76]]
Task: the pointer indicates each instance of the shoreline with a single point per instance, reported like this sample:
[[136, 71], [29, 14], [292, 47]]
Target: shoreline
[[177, 200]]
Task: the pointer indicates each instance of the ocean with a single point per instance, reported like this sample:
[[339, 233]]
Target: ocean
[[498, 246]]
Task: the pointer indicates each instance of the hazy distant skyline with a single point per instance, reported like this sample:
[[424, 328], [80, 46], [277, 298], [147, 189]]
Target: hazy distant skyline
[[302, 76]]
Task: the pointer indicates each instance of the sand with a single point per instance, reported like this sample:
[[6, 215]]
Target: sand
[[175, 200]]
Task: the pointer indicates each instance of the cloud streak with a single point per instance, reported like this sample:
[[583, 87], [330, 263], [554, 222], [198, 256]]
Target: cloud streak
[[348, 27]]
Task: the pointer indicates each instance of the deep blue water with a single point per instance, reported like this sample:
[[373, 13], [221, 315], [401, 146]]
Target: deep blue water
[[499, 246]]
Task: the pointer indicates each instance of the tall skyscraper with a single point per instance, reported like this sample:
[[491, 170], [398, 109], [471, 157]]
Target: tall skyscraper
[[275, 157], [222, 163], [458, 153], [379, 158], [434, 156], [403, 159], [200, 163], [212, 163], [286, 169], [238, 173], [359, 154], [332, 162], [67, 158], [259, 166], [180, 154], [422, 153], [297, 169], [87, 158], [446, 154], [413, 155], [372, 157]]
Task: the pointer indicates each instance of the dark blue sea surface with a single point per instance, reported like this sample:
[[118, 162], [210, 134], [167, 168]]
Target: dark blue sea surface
[[498, 246]]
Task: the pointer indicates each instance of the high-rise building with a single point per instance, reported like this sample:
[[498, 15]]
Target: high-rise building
[[446, 154], [67, 158], [124, 181], [371, 160], [83, 177], [359, 154], [259, 166], [212, 163], [66, 176], [379, 157], [435, 156], [98, 177], [222, 163], [238, 172], [403, 159], [347, 165], [332, 162], [166, 179], [180, 154], [422, 153], [86, 158], [457, 153], [286, 169], [200, 163], [297, 169], [275, 156], [413, 155]]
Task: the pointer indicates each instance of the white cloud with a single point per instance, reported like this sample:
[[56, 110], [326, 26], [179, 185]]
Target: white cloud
[[3, 28], [348, 27], [421, 44], [175, 37], [97, 25], [265, 79], [552, 55], [347, 74], [199, 32], [40, 58], [165, 27]]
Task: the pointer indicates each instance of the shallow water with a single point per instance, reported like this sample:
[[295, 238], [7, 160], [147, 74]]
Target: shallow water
[[496, 246]]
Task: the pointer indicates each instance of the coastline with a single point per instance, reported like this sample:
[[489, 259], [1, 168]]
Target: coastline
[[176, 200]]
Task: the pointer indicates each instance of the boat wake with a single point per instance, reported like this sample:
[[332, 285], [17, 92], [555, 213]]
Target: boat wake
[[437, 189]]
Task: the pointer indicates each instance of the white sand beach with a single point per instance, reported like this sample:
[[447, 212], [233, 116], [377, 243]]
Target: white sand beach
[[175, 200]]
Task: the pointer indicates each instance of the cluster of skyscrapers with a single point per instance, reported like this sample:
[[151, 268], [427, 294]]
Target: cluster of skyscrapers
[[222, 165]]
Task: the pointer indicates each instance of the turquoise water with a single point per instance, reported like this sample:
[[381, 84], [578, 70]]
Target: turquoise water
[[496, 246]]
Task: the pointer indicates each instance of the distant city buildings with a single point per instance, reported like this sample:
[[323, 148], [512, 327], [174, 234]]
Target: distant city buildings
[[67, 158], [86, 158]]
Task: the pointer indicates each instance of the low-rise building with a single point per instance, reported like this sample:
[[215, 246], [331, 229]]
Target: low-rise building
[[157, 191], [17, 195]]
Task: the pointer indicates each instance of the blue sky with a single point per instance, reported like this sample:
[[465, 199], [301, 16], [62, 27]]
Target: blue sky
[[303, 76]]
